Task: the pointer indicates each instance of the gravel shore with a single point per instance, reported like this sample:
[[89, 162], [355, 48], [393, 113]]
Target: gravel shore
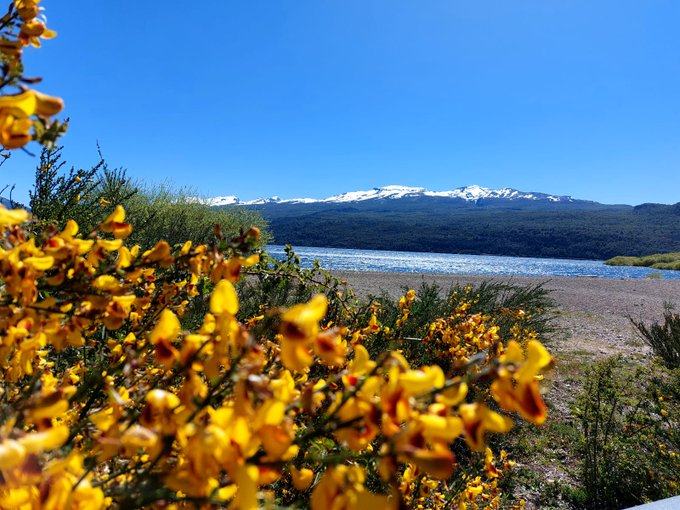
[[592, 313]]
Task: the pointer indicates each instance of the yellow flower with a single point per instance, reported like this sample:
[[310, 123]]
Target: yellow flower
[[331, 348], [246, 480], [15, 113], [164, 333], [12, 453], [224, 299], [438, 463], [478, 420], [295, 355], [520, 392], [114, 224], [302, 478], [12, 217], [36, 442], [33, 30], [301, 322], [28, 9], [420, 381], [138, 437]]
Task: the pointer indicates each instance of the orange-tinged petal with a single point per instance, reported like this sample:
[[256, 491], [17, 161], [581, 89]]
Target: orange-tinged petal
[[224, 299], [50, 410], [295, 355], [438, 464], [302, 478], [166, 354], [124, 258], [331, 348], [158, 253], [114, 224], [524, 398], [362, 362], [70, 230], [271, 412], [117, 216], [276, 440], [366, 500], [301, 322], [109, 245], [162, 399], [478, 420], [106, 282], [19, 497], [138, 437], [513, 352]]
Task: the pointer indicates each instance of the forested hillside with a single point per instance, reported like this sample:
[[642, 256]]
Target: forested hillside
[[584, 230]]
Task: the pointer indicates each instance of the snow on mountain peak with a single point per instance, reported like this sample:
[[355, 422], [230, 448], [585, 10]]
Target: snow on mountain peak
[[226, 200], [392, 191], [470, 193]]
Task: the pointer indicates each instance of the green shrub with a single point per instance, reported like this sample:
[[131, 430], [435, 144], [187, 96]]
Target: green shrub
[[161, 212], [85, 196], [664, 339], [657, 261], [630, 441]]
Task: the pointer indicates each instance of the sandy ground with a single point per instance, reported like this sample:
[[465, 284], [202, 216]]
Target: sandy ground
[[592, 313]]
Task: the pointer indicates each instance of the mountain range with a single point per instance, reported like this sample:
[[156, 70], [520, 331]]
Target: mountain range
[[471, 220], [394, 192]]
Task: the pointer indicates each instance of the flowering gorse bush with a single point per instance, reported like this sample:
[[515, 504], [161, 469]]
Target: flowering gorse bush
[[108, 400], [133, 378]]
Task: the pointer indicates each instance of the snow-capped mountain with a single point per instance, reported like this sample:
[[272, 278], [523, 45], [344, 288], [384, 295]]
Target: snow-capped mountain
[[468, 193]]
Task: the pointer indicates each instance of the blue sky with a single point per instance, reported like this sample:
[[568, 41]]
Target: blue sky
[[317, 97]]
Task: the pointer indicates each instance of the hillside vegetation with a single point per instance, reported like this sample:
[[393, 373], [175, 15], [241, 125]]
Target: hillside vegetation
[[591, 231]]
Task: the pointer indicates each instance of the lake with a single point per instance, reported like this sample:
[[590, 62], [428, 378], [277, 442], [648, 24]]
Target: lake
[[413, 262]]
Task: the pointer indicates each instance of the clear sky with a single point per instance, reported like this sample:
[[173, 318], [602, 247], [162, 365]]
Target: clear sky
[[310, 98]]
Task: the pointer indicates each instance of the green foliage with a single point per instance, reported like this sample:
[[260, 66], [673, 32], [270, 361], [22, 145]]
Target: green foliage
[[159, 212], [82, 195], [664, 339], [176, 216], [275, 284], [656, 261], [630, 441]]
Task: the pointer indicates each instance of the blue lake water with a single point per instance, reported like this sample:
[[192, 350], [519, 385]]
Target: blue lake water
[[412, 262]]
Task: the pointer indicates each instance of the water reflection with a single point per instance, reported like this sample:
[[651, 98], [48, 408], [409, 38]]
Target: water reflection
[[412, 262]]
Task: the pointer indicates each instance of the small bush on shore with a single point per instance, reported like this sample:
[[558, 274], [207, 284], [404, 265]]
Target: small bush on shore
[[664, 339], [630, 446], [669, 261]]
